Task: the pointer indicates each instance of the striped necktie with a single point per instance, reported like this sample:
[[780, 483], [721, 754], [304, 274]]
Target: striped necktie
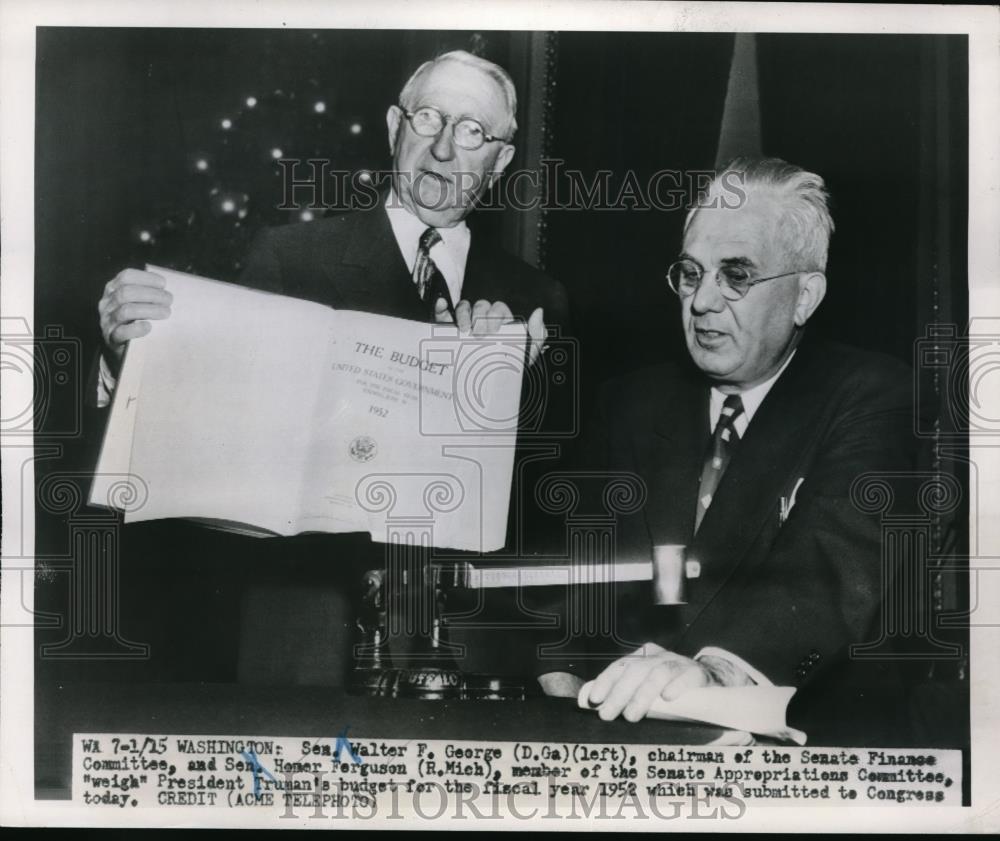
[[723, 440], [430, 282]]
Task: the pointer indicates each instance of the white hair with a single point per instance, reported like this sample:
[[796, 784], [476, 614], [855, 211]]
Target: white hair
[[806, 224], [494, 71]]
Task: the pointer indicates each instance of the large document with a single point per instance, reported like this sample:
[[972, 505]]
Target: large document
[[273, 415]]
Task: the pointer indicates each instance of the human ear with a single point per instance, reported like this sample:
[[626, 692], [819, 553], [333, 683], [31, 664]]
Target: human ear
[[812, 290], [393, 119], [504, 157]]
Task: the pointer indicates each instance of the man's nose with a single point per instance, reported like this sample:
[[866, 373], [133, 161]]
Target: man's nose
[[444, 144], [708, 296]]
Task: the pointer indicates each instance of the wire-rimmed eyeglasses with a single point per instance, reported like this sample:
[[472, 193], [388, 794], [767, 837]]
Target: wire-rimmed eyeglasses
[[685, 276]]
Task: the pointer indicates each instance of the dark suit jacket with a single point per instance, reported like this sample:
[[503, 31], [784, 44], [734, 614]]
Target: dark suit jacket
[[353, 262], [789, 598]]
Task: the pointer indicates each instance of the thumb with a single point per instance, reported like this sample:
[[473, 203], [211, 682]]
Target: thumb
[[536, 324], [441, 312], [536, 335]]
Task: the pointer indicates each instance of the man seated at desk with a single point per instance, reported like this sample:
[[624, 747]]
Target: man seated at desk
[[749, 456]]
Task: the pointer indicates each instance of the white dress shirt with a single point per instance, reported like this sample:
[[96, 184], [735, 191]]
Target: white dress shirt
[[449, 255], [752, 398]]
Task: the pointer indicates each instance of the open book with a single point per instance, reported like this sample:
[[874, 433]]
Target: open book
[[278, 416]]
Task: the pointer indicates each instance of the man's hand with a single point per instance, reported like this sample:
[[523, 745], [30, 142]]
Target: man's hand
[[484, 317], [128, 304], [631, 684], [560, 684]]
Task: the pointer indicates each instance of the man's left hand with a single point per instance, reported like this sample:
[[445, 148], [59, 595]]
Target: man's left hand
[[484, 317], [630, 685]]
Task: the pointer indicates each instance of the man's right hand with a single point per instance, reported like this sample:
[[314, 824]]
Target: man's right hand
[[485, 317], [130, 301]]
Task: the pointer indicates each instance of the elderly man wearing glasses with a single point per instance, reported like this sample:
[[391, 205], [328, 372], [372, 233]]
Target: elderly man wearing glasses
[[412, 256], [749, 456]]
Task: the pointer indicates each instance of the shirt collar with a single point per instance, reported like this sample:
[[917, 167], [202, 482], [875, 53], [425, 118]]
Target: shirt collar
[[752, 397], [408, 229]]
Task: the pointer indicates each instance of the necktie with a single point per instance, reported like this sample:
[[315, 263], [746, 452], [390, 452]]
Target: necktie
[[723, 439], [430, 282]]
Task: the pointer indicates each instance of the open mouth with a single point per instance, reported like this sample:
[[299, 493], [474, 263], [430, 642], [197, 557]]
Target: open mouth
[[709, 338], [431, 190]]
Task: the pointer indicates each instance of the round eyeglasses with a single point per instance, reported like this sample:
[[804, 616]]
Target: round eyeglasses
[[468, 133], [734, 282]]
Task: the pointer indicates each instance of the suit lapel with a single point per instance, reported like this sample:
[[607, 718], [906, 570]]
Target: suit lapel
[[371, 274], [478, 281], [491, 276], [748, 495], [672, 458]]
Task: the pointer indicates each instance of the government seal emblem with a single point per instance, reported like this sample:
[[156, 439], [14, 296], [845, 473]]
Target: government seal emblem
[[363, 449]]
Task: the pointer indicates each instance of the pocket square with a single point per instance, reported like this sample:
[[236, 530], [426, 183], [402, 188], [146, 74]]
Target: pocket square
[[788, 503]]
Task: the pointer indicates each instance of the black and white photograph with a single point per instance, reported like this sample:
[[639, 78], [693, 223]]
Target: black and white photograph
[[495, 417]]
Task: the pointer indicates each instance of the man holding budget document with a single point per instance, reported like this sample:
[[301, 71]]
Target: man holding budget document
[[412, 256], [750, 456]]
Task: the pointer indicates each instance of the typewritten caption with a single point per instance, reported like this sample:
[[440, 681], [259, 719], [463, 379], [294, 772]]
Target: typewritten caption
[[348, 776]]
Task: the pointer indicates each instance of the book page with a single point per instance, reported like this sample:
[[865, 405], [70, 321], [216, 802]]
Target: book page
[[751, 709], [114, 485], [223, 409], [416, 429], [267, 414]]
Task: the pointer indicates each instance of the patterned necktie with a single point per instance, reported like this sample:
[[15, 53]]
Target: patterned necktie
[[430, 282], [723, 439]]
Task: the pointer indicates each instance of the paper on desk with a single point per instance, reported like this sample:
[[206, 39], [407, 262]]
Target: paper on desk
[[753, 709]]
